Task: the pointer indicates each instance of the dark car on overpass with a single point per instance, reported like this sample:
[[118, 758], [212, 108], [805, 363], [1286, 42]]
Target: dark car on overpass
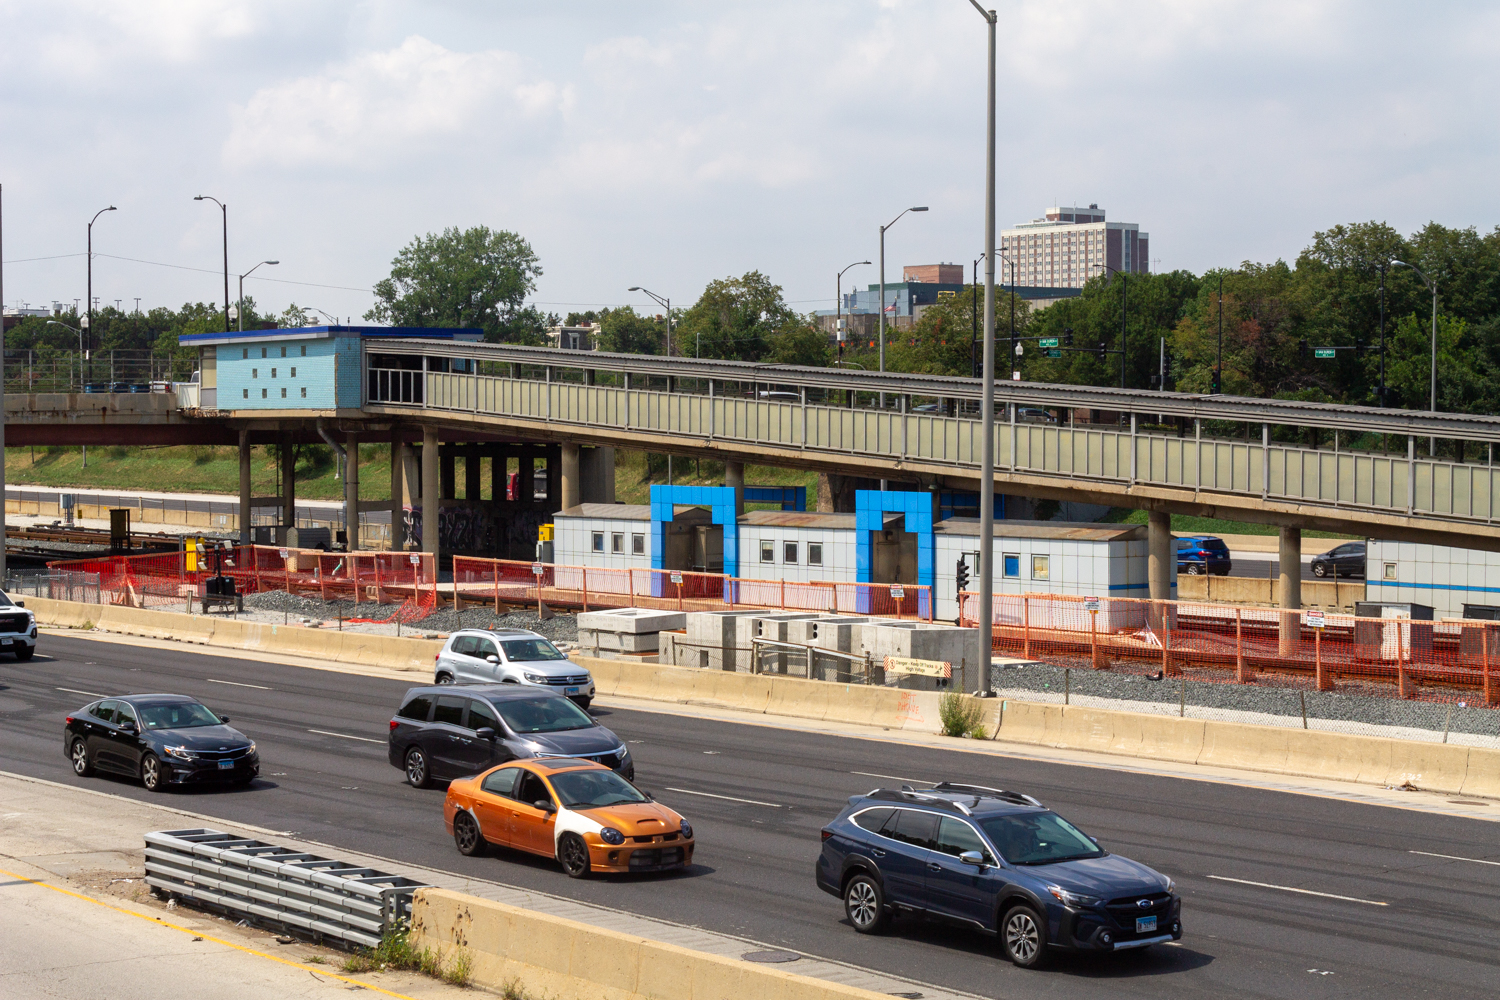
[[1199, 555], [161, 739], [996, 861], [1340, 561], [447, 731]]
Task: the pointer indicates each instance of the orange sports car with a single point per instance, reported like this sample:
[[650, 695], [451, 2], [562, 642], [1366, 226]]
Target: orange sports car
[[581, 813]]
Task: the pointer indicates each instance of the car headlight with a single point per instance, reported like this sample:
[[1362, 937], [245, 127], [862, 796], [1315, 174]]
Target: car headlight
[[181, 753], [687, 830], [611, 836], [251, 752], [1171, 886], [623, 751], [535, 678], [1072, 898]]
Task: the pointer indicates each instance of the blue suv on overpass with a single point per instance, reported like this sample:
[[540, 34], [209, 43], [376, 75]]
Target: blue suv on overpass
[[996, 860]]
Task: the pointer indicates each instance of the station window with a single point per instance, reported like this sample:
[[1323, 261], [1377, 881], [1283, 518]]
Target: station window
[[246, 393], [273, 373], [1012, 563], [789, 553], [283, 392], [304, 392], [263, 394], [245, 356], [283, 350], [1390, 572], [294, 373], [1041, 567], [255, 373], [598, 541], [617, 542], [262, 352], [767, 551], [815, 553], [304, 350], [638, 544]]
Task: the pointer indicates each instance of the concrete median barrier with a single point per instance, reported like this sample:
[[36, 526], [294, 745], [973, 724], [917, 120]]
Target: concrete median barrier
[[554, 956]]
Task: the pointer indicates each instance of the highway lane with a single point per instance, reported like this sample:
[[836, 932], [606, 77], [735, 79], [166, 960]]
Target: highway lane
[[755, 874]]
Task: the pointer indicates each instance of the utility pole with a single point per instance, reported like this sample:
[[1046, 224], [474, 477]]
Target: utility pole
[[986, 622]]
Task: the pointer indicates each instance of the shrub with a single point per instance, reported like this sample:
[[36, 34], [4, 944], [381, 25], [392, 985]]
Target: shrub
[[961, 715]]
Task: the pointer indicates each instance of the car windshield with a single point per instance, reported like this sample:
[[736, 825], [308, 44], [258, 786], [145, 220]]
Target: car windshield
[[182, 715], [592, 789], [1038, 839], [526, 650], [542, 715], [5, 601]]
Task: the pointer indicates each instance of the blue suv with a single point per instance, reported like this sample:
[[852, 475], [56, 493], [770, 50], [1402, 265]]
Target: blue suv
[[996, 860], [1198, 555]]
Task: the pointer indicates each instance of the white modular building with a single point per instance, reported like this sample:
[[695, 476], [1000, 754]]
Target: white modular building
[[1445, 579], [603, 536]]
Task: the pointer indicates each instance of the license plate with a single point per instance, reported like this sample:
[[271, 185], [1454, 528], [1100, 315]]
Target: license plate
[[228, 765], [571, 690], [1144, 925]]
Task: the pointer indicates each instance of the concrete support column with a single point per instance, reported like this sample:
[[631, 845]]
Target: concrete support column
[[351, 492], [554, 477], [526, 477], [570, 484], [1159, 555], [288, 488], [398, 491], [473, 456], [448, 484], [1289, 595], [499, 473], [431, 491], [245, 487], [734, 478]]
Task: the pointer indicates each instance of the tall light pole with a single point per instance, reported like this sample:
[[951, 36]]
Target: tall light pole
[[987, 405], [666, 304], [920, 208], [1015, 345], [1218, 385], [88, 305], [241, 299], [224, 211], [839, 305], [1381, 399], [1432, 403]]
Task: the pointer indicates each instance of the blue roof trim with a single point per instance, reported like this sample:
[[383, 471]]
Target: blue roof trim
[[320, 332]]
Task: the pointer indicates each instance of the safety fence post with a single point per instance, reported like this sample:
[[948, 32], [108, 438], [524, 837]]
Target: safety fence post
[[1484, 640], [1242, 674], [495, 580], [1026, 627], [1323, 683]]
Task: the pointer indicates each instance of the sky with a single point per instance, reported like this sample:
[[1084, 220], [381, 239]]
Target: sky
[[669, 144]]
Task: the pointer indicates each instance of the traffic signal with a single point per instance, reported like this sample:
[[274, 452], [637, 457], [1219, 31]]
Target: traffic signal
[[1302, 349], [1359, 347], [1103, 350], [1067, 336], [961, 573], [1218, 382]]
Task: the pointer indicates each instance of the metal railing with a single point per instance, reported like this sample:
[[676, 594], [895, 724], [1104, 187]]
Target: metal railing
[[106, 371], [57, 585], [321, 897]]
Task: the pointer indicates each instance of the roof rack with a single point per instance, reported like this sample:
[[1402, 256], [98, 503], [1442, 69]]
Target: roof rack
[[985, 792], [909, 794]]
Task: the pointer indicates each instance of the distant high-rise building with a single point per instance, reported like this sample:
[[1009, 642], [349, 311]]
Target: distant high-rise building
[[1069, 245]]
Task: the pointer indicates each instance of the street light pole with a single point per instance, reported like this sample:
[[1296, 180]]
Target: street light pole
[[839, 307], [88, 304], [1219, 353], [987, 405], [1432, 402], [241, 299], [921, 208], [1015, 345], [224, 211], [666, 304]]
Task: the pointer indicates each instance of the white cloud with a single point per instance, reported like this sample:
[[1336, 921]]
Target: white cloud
[[385, 106]]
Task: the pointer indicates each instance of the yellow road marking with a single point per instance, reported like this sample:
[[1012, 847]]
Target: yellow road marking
[[206, 937]]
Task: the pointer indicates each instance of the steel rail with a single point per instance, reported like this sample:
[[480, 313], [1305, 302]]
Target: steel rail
[[1191, 406]]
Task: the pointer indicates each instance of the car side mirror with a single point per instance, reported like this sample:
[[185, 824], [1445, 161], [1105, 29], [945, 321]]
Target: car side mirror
[[545, 805], [485, 732], [972, 858], [223, 720], [492, 658], [128, 726], [19, 604]]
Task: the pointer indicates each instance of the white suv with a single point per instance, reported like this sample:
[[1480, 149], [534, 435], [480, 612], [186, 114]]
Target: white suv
[[511, 656]]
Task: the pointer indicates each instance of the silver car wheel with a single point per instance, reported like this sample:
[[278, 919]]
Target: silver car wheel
[[1022, 939], [862, 904]]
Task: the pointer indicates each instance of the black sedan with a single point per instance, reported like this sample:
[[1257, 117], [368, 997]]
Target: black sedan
[[1341, 561], [162, 739]]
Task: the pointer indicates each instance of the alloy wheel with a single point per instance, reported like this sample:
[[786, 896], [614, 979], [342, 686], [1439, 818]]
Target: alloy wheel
[[466, 835], [80, 756], [416, 768], [573, 855], [862, 905], [1022, 938], [151, 775]]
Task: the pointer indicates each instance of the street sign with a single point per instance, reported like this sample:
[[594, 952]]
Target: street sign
[[286, 553], [922, 668], [1091, 605], [1047, 342], [676, 579], [1054, 353], [1316, 619], [536, 569], [1324, 352], [898, 593], [416, 560]]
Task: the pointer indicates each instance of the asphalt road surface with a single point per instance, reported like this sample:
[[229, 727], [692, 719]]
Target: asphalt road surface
[[1374, 919]]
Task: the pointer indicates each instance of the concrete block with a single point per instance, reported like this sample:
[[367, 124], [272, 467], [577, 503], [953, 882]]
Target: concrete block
[[632, 620]]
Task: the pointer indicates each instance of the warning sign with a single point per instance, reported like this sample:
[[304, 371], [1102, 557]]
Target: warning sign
[[922, 668]]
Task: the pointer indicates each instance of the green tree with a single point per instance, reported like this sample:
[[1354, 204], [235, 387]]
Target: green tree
[[624, 331], [735, 319], [472, 278], [940, 342], [802, 343]]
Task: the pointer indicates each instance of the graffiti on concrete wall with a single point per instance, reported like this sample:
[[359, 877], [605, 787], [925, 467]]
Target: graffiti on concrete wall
[[496, 531]]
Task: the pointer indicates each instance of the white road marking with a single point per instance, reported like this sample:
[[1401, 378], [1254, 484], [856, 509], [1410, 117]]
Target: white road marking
[[1455, 857], [91, 694], [258, 687], [345, 736], [728, 798], [893, 777], [1305, 892]]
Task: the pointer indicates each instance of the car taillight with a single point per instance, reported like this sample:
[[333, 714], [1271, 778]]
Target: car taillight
[[68, 720], [827, 833], [394, 723]]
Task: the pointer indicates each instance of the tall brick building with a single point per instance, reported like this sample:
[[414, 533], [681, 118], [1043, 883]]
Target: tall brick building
[[1066, 247]]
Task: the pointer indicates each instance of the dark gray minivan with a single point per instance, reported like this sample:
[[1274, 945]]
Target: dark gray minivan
[[442, 732]]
